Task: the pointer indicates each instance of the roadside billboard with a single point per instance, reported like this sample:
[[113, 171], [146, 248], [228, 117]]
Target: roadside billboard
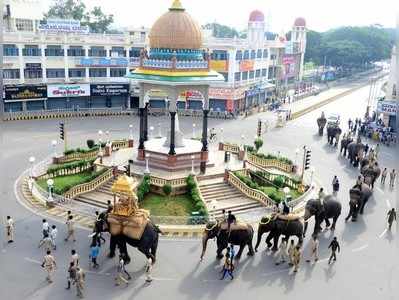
[[68, 90]]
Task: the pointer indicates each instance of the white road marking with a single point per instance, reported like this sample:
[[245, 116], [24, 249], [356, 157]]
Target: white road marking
[[33, 260], [360, 248], [383, 233], [388, 203]]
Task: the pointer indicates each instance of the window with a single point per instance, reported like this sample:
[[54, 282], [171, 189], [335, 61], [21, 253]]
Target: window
[[54, 50], [33, 73], [219, 55], [77, 72], [55, 73], [251, 74], [237, 76], [246, 54], [11, 74], [239, 55], [118, 72], [117, 52], [245, 75], [76, 51], [226, 76], [272, 71], [98, 52], [100, 72], [31, 50], [10, 50], [24, 24], [265, 53], [257, 73], [272, 56], [135, 52], [259, 53], [264, 72], [253, 54]]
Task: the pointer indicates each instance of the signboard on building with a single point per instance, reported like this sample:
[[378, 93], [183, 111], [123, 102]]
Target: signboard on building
[[109, 89], [68, 90], [26, 92], [103, 62], [227, 93], [219, 65], [246, 65], [387, 107], [33, 66], [67, 26]]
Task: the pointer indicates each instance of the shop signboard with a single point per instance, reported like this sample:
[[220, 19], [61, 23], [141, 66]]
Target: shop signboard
[[26, 92], [229, 105], [246, 65], [103, 62], [221, 93], [33, 66], [68, 90], [387, 107], [219, 65], [67, 26], [109, 89]]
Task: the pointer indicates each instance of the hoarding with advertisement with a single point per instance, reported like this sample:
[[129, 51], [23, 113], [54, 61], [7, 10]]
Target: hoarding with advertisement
[[229, 105], [103, 62], [246, 65], [68, 90], [219, 65], [387, 107], [227, 93], [26, 92], [109, 89], [67, 26], [289, 66]]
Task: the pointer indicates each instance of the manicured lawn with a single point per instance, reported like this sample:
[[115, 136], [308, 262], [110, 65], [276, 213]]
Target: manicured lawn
[[159, 205], [63, 183], [271, 189]]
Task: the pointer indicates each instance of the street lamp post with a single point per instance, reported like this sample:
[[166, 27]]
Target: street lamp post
[[194, 130], [32, 160], [50, 184], [159, 130], [286, 191], [192, 165], [54, 146], [147, 169], [221, 135], [151, 132], [242, 141], [296, 155], [312, 170], [107, 135], [131, 132], [100, 134]]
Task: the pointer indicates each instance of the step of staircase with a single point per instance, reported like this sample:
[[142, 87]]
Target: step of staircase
[[91, 201]]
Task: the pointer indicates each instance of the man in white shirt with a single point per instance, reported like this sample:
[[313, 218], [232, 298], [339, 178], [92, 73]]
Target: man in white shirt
[[282, 254], [10, 229], [71, 229], [75, 258], [45, 228], [314, 249], [53, 236]]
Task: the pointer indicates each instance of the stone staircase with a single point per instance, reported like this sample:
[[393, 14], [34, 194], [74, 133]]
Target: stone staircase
[[226, 196], [98, 197]]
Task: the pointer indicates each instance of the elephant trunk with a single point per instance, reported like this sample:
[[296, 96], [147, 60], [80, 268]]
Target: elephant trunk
[[205, 239], [306, 218], [260, 233]]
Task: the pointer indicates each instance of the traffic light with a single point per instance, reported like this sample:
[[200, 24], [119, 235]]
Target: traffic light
[[259, 131], [307, 158], [62, 131]]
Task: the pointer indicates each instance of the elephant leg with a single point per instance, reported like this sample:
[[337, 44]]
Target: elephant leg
[[361, 209], [251, 251], [112, 246], [239, 253], [334, 222], [300, 239], [275, 242], [268, 239], [305, 228], [260, 233], [327, 222]]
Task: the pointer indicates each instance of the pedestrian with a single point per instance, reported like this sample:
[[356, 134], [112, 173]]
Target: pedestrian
[[391, 217], [231, 219], [148, 269], [366, 149], [110, 207], [121, 271], [282, 254], [334, 245], [359, 181], [392, 177], [224, 215], [296, 255], [10, 229], [45, 227], [75, 257], [321, 195], [53, 236], [314, 249], [335, 185], [291, 250], [94, 251], [70, 228], [71, 278], [232, 252], [49, 264], [350, 124], [46, 242], [384, 175], [80, 281], [227, 267], [377, 151]]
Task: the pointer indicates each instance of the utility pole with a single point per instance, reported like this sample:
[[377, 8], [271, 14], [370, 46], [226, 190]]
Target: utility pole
[[306, 161]]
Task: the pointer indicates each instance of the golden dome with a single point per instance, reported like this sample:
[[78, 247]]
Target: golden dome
[[176, 29]]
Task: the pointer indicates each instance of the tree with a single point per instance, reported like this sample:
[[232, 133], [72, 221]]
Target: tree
[[221, 31], [96, 20], [258, 143], [167, 189], [313, 47]]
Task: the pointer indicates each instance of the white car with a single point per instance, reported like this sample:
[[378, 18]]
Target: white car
[[333, 120]]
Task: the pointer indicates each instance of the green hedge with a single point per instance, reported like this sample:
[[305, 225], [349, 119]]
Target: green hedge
[[80, 164], [271, 156], [143, 188], [96, 147], [192, 190]]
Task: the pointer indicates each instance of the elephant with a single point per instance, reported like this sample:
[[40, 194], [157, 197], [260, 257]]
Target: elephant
[[358, 195], [240, 234], [147, 244], [355, 152], [279, 225], [345, 141], [371, 171], [321, 123], [333, 132], [330, 208]]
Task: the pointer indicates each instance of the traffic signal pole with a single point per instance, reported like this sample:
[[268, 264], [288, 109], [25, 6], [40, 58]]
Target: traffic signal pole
[[306, 161], [63, 135]]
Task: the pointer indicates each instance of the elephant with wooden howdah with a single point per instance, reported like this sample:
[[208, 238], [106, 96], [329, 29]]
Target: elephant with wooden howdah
[[333, 132], [329, 209], [121, 235], [355, 152], [321, 123], [240, 234], [276, 225], [358, 195], [345, 141], [370, 172]]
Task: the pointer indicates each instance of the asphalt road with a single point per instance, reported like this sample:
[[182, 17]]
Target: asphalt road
[[367, 267]]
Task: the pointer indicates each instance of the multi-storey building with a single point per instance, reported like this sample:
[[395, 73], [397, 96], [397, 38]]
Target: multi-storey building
[[60, 65]]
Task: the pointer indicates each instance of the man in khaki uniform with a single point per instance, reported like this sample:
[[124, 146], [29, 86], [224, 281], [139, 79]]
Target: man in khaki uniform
[[49, 265], [71, 229], [296, 258], [282, 254], [314, 249], [291, 250], [80, 280], [10, 229]]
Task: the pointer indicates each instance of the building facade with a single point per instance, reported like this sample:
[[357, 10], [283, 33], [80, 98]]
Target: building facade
[[60, 65]]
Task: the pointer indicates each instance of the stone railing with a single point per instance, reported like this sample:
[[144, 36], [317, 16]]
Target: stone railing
[[191, 64], [160, 182], [249, 192], [89, 186], [76, 156], [120, 144], [65, 172], [232, 148], [269, 163], [157, 63]]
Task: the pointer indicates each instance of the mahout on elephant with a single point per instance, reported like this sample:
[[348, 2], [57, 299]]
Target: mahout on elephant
[[345, 141], [355, 152], [121, 235], [370, 171], [321, 123], [277, 225], [239, 234], [333, 133], [323, 210], [359, 194]]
